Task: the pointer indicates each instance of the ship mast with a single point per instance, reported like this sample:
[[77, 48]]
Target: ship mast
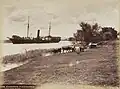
[[28, 27], [49, 28]]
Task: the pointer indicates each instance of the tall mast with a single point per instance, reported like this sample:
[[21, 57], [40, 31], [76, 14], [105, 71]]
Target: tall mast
[[49, 28], [28, 27]]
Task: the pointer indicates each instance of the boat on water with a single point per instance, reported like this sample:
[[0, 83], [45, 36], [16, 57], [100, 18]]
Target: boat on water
[[15, 39]]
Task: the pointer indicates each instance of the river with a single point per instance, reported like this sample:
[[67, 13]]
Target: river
[[9, 48]]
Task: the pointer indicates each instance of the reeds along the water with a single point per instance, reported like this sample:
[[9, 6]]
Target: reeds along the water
[[26, 56], [21, 57]]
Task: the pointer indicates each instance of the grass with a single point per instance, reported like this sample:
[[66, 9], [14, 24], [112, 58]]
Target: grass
[[37, 72], [22, 57]]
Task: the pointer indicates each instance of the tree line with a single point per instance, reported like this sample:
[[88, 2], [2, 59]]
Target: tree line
[[94, 33]]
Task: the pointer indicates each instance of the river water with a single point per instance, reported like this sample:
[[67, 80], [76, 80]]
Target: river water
[[9, 48]]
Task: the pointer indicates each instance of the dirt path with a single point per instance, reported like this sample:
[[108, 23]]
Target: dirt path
[[95, 66]]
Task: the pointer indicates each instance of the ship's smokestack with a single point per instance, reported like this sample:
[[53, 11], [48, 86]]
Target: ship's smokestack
[[38, 32]]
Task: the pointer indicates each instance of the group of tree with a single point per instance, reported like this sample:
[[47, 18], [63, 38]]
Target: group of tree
[[92, 33]]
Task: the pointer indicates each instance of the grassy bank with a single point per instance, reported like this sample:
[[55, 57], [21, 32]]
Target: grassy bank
[[22, 57], [97, 67], [26, 56]]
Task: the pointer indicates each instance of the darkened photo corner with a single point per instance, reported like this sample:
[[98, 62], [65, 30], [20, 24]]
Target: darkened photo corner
[[59, 44]]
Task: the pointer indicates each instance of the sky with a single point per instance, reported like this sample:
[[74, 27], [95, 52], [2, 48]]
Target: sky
[[64, 15]]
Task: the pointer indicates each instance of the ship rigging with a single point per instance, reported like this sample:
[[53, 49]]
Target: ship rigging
[[27, 40]]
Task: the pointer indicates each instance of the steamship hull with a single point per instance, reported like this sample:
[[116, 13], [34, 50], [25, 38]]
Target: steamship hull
[[15, 41]]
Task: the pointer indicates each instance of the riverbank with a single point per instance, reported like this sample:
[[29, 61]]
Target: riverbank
[[22, 57], [11, 49], [16, 60], [27, 53], [97, 66]]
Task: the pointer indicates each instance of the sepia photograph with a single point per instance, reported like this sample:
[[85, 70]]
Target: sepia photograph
[[60, 44]]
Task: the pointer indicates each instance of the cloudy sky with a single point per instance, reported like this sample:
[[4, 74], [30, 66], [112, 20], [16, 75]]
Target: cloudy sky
[[65, 15]]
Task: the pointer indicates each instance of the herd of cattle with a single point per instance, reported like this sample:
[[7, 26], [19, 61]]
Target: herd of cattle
[[64, 49], [72, 48]]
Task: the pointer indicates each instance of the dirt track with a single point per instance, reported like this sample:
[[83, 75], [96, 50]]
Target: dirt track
[[95, 67]]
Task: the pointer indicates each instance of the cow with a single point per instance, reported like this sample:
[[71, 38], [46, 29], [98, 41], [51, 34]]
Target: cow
[[57, 50], [68, 49], [81, 46], [77, 49]]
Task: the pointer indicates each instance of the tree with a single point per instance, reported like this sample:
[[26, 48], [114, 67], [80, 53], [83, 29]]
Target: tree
[[112, 33], [89, 31]]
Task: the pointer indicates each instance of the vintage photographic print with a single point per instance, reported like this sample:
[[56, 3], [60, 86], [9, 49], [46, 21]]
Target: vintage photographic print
[[60, 44]]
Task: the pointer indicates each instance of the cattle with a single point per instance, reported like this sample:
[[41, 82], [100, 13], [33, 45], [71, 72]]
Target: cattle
[[77, 49], [57, 50], [80, 47], [68, 49]]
